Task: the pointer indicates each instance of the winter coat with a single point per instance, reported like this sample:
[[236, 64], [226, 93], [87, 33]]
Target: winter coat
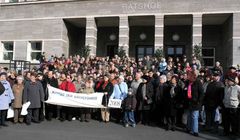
[[144, 90], [129, 103], [231, 96], [18, 94], [195, 102], [7, 97], [109, 89], [33, 92], [172, 101], [213, 95], [67, 86]]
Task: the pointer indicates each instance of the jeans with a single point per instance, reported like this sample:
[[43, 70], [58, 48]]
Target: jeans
[[192, 121], [129, 118]]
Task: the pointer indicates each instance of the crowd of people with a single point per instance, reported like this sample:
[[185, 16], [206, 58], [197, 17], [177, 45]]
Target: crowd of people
[[177, 92]]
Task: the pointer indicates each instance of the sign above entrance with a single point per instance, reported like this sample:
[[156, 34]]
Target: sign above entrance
[[133, 6]]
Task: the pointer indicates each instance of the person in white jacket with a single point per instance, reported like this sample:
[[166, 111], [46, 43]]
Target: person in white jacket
[[5, 99]]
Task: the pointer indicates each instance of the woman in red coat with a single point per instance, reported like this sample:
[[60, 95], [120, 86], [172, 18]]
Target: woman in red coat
[[67, 85]]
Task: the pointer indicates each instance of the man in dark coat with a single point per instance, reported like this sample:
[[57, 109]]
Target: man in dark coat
[[33, 92], [51, 110], [144, 100], [212, 99]]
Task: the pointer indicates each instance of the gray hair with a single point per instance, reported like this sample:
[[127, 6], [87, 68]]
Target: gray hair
[[163, 77]]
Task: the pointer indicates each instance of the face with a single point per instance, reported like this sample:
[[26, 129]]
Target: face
[[162, 80], [69, 78], [50, 74], [174, 80], [138, 76], [33, 78], [19, 81], [106, 78], [230, 83], [3, 77]]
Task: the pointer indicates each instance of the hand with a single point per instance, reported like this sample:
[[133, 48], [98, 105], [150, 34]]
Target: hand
[[145, 98], [105, 93], [48, 85]]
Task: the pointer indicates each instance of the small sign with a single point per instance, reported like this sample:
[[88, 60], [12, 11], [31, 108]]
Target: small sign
[[114, 103]]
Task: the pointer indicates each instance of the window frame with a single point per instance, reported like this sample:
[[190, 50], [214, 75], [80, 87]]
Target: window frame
[[2, 51], [30, 50], [209, 57]]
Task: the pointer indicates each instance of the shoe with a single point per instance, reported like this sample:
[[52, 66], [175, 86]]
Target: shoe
[[36, 121], [87, 121], [28, 123], [126, 125], [173, 128], [62, 120], [81, 120], [73, 119], [133, 125], [5, 125], [195, 134]]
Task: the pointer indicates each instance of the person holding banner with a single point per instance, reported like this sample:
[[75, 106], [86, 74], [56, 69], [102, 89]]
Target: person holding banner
[[51, 110], [34, 93], [107, 88], [67, 85], [85, 112]]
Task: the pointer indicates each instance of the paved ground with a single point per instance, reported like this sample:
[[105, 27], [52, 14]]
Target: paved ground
[[95, 130]]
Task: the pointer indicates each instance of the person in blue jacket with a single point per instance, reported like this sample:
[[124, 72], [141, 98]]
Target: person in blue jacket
[[5, 99]]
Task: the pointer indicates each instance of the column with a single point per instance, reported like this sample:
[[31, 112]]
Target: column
[[159, 32], [124, 33], [236, 39], [91, 35], [197, 29]]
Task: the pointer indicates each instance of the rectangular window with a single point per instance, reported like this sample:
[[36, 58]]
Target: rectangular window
[[208, 55], [7, 51], [35, 50]]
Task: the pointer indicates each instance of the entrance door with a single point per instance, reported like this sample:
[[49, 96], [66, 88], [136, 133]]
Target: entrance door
[[143, 51], [112, 50], [175, 51]]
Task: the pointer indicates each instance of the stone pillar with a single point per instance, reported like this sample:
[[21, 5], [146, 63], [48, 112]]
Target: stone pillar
[[124, 33], [197, 30], [236, 39], [159, 32], [91, 35]]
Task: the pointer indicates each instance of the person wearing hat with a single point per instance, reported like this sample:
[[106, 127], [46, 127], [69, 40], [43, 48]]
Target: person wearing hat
[[144, 98], [18, 94], [212, 101], [231, 102], [5, 99]]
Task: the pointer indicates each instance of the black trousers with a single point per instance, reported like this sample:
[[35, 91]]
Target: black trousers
[[85, 114], [51, 111], [3, 115], [116, 114], [33, 115], [230, 120], [66, 113], [210, 117]]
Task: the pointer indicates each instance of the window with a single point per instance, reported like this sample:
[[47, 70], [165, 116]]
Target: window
[[7, 51], [208, 55], [35, 50]]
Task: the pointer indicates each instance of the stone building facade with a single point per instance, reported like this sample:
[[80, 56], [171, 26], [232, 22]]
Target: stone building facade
[[141, 27]]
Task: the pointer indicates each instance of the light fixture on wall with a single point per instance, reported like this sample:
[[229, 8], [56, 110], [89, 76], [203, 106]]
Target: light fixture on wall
[[142, 36], [112, 37], [175, 37]]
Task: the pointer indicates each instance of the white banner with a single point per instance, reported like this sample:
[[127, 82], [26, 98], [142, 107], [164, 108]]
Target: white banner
[[64, 98]]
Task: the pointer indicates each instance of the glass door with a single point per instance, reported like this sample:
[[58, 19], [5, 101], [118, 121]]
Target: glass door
[[143, 51]]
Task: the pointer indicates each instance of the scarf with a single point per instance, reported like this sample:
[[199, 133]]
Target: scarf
[[189, 91]]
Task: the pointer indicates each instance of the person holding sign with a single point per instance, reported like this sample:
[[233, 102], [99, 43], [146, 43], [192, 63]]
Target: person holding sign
[[120, 91]]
